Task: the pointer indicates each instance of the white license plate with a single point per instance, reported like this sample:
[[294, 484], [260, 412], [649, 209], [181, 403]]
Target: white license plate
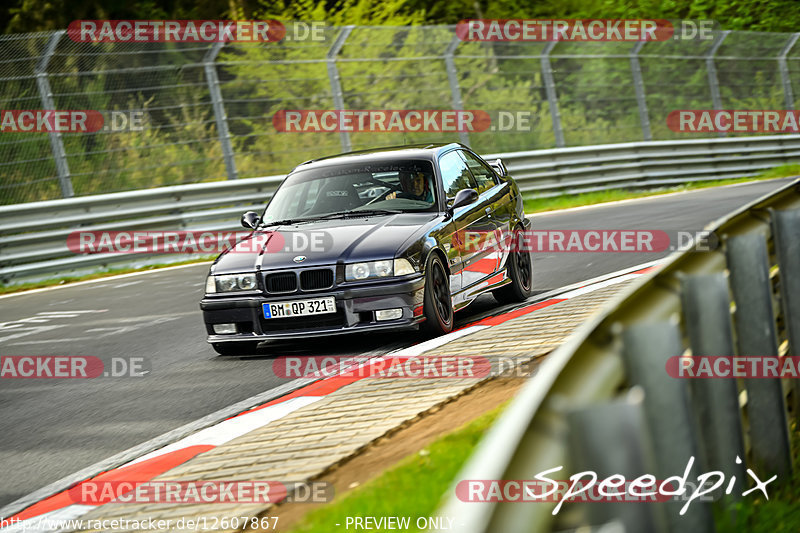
[[317, 306]]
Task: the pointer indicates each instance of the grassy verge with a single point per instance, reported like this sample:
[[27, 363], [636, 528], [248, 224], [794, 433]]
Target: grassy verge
[[6, 289], [565, 201], [413, 487], [781, 512]]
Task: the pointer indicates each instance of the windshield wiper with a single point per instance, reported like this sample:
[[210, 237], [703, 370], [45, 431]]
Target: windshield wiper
[[360, 212], [286, 222], [340, 214]]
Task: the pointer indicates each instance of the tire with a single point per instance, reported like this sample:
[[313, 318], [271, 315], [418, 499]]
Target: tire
[[438, 305], [235, 348], [520, 270]]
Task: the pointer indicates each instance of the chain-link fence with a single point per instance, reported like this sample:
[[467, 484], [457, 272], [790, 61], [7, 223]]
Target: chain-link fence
[[209, 107]]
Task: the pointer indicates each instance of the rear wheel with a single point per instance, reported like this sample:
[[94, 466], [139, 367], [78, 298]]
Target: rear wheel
[[438, 305], [235, 348], [520, 269]]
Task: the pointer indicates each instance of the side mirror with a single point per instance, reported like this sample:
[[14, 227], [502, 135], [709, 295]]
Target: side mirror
[[250, 220], [499, 167], [463, 197]]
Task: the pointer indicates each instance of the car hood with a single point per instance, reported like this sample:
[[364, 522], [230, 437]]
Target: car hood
[[325, 242]]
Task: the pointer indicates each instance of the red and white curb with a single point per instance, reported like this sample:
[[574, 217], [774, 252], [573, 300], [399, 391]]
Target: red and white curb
[[61, 507]]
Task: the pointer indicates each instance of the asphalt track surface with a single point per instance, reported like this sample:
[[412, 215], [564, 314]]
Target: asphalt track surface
[[50, 429]]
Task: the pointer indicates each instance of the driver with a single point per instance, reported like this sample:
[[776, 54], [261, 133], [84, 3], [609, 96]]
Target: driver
[[415, 186]]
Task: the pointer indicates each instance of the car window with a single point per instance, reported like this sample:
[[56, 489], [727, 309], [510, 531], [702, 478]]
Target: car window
[[401, 185], [455, 174], [483, 174]]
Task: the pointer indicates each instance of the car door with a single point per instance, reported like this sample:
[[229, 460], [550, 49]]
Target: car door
[[472, 223], [496, 194]]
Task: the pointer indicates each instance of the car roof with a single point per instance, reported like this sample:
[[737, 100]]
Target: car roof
[[409, 151]]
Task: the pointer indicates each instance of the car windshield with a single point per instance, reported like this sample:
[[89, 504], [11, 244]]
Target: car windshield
[[392, 186]]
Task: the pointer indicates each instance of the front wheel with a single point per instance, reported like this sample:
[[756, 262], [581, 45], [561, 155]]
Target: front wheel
[[235, 348], [438, 306], [520, 269]]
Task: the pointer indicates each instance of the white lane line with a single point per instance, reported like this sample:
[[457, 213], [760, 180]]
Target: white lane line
[[232, 428], [599, 285], [119, 286], [31, 331], [103, 280], [419, 349], [642, 199], [216, 435], [274, 414], [73, 312]]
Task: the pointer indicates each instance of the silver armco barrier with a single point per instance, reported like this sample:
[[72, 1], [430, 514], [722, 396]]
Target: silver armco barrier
[[605, 401], [33, 235]]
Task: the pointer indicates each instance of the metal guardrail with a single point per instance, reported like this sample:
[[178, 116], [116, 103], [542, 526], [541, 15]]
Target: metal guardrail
[[604, 401], [208, 107], [33, 236]]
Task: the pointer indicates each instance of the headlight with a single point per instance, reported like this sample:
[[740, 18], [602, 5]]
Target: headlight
[[378, 269], [232, 282]]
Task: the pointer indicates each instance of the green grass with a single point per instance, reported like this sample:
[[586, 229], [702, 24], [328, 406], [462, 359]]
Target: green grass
[[756, 514], [565, 201], [7, 289], [413, 487]]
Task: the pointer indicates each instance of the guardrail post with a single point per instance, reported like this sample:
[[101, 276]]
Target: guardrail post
[[219, 109], [755, 332], [786, 80], [612, 439], [711, 69], [550, 90], [452, 78], [46, 94], [786, 234], [335, 80], [707, 318], [638, 86], [647, 347]]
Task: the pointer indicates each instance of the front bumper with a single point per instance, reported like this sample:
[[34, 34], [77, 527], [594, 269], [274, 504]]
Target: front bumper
[[355, 312]]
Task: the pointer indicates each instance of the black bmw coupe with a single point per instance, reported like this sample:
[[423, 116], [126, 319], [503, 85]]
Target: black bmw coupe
[[389, 239]]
